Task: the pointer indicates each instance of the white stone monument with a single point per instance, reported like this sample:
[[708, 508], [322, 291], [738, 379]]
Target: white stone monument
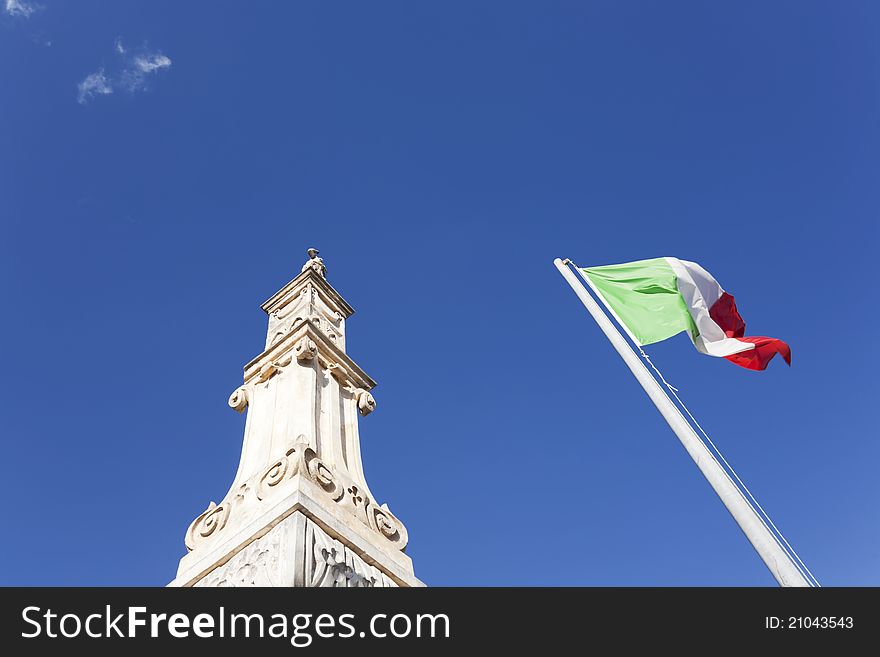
[[299, 511]]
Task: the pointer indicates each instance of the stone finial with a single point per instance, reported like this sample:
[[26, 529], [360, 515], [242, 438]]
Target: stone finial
[[316, 263]]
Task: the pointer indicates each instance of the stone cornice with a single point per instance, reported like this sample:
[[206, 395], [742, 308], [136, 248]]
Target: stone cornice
[[289, 292], [306, 342]]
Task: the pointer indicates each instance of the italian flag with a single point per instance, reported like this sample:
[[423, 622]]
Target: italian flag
[[658, 298]]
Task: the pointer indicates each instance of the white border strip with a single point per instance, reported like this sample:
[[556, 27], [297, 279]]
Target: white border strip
[[712, 340]]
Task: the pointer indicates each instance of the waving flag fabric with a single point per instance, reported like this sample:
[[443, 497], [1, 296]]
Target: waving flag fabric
[[658, 298]]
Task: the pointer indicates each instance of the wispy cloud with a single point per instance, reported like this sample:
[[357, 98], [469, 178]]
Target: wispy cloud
[[152, 63], [130, 71], [21, 8], [24, 9], [134, 77], [95, 84]]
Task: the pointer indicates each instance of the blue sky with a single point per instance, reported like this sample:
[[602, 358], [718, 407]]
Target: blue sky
[[440, 155]]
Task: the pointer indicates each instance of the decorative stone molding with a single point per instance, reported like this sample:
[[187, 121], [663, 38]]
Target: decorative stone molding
[[307, 289], [329, 559], [307, 342], [298, 460], [322, 475], [335, 565], [329, 325], [286, 466], [271, 368], [276, 337], [256, 565], [386, 523], [210, 522], [305, 350], [296, 550], [302, 300], [238, 400], [365, 402]]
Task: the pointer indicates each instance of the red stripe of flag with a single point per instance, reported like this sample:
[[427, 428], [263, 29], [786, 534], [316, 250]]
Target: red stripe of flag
[[724, 313]]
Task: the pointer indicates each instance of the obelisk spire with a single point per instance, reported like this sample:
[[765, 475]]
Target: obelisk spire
[[299, 511]]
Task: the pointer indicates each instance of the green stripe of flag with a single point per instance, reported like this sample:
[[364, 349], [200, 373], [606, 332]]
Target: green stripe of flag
[[645, 297]]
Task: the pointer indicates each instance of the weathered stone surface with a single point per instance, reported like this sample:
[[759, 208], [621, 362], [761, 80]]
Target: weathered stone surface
[[300, 481], [296, 552]]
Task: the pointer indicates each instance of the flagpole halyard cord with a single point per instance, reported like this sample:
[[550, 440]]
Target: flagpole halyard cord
[[742, 485], [750, 498], [779, 561]]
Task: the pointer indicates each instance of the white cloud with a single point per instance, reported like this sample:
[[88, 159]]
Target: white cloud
[[20, 8], [151, 63], [129, 71], [134, 76], [95, 84]]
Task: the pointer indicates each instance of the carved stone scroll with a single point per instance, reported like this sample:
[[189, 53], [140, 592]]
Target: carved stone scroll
[[239, 399]]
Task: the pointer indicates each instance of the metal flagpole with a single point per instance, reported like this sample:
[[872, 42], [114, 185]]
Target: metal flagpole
[[768, 548]]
